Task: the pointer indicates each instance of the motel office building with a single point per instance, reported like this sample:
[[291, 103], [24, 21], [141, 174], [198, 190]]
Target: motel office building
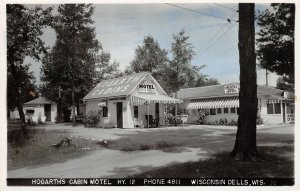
[[222, 102], [129, 101]]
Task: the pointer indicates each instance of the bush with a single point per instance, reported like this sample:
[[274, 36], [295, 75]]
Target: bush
[[201, 117], [233, 123], [259, 120], [171, 120], [92, 119], [225, 122], [40, 119], [222, 122]]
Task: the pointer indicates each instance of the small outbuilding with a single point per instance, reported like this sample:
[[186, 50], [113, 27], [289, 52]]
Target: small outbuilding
[[41, 107], [131, 101]]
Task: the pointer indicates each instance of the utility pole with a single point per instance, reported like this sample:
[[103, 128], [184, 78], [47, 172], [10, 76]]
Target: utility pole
[[267, 78]]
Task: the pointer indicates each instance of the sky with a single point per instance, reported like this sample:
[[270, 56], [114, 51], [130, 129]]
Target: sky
[[121, 28]]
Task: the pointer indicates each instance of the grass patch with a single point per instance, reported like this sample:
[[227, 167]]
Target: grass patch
[[222, 166], [127, 144], [37, 150], [166, 139]]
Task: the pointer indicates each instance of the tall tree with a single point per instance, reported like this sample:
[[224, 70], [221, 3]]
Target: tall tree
[[105, 69], [282, 84], [184, 74], [24, 29], [206, 82], [26, 83], [276, 41], [245, 144], [73, 59], [150, 57]]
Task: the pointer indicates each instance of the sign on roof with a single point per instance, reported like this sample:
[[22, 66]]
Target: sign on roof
[[146, 86], [231, 89]]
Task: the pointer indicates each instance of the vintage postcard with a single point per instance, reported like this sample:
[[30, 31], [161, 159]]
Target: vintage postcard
[[152, 95]]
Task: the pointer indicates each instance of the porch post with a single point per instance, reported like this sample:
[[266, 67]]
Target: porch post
[[148, 114]]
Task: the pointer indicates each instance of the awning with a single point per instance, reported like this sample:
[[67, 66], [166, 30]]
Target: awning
[[274, 99], [214, 103], [141, 99]]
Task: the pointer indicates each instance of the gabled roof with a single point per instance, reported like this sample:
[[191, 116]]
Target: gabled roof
[[40, 100], [117, 87], [218, 91]]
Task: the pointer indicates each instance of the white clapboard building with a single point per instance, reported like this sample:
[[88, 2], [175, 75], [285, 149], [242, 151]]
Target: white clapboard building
[[222, 102], [133, 101]]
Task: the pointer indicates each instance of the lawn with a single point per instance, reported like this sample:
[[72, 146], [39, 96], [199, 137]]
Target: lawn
[[277, 148], [172, 139], [37, 148]]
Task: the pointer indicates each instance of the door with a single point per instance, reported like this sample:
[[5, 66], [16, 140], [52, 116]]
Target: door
[[47, 110], [119, 115], [156, 114]]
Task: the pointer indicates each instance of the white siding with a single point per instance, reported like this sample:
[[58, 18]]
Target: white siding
[[269, 118], [92, 105], [53, 112], [193, 116], [14, 114]]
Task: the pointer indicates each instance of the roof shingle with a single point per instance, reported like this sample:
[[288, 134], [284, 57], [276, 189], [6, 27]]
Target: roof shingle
[[39, 100]]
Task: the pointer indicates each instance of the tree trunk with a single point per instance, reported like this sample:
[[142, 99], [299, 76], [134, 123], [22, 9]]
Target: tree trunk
[[18, 98], [73, 106], [245, 145], [77, 104]]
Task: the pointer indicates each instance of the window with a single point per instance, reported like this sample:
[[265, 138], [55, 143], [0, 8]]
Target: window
[[270, 109], [277, 108], [219, 110], [225, 110], [232, 110], [31, 111], [212, 111], [105, 111], [136, 111], [273, 108]]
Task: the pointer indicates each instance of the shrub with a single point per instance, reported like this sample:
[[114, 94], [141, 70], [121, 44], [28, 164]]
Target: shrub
[[92, 119], [221, 122], [259, 120], [233, 123], [171, 120], [201, 117], [225, 122], [40, 119]]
